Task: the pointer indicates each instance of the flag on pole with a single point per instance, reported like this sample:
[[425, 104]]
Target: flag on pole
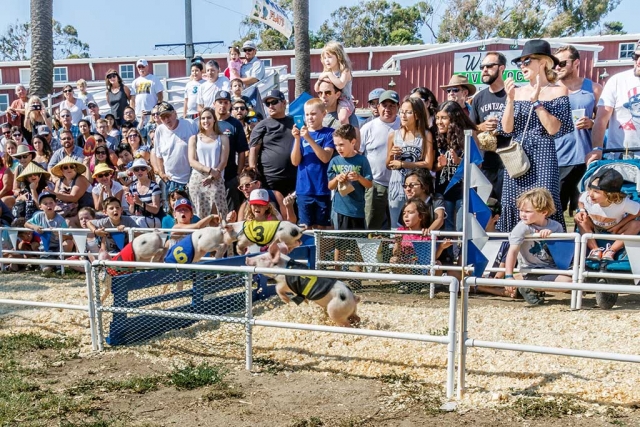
[[475, 157], [269, 13]]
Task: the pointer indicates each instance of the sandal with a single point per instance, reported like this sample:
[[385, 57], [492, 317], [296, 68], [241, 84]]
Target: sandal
[[608, 254], [595, 254]]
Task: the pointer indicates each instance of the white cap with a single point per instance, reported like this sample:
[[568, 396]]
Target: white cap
[[259, 196], [142, 62]]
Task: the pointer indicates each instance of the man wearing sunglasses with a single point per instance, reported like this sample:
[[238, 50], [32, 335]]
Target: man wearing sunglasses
[[6, 135], [146, 90], [67, 124], [458, 90], [69, 148], [486, 110], [270, 146], [252, 71], [619, 106], [330, 94], [573, 147]]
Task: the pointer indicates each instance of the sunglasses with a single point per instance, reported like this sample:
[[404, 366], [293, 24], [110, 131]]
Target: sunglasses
[[491, 65], [112, 76], [65, 115], [103, 175], [23, 157], [272, 103], [245, 186], [140, 169], [453, 90], [563, 64], [68, 91], [141, 67], [240, 108], [7, 132], [103, 153], [17, 135], [154, 114], [524, 62], [253, 120], [412, 185], [325, 93], [133, 135], [67, 167], [248, 50]]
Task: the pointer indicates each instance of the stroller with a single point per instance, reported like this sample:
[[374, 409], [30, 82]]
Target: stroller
[[630, 171]]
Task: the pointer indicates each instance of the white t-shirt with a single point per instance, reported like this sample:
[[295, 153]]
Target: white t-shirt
[[191, 95], [76, 110], [146, 90], [171, 147], [622, 92], [116, 187], [86, 98], [207, 91], [609, 216], [374, 136]]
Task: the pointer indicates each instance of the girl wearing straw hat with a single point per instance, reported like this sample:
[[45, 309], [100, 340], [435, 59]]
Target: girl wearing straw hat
[[73, 190], [105, 186], [34, 180]]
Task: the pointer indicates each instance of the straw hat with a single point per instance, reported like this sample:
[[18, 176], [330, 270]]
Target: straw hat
[[460, 80], [101, 168], [32, 169], [57, 169], [24, 149]]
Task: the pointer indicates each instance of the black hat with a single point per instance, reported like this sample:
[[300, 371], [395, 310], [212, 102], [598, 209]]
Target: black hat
[[223, 95], [275, 93], [165, 107], [609, 180], [536, 47]]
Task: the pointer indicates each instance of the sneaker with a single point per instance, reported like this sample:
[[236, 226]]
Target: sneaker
[[608, 254], [48, 269], [595, 254], [532, 297]]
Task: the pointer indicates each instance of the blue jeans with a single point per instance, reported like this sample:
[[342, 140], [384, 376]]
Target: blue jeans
[[453, 209], [395, 209]]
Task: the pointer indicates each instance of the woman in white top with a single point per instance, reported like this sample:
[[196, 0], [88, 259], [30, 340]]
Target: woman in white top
[[208, 154], [75, 106], [106, 187], [409, 147]]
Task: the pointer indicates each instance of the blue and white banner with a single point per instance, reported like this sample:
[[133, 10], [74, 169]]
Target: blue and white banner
[[269, 13]]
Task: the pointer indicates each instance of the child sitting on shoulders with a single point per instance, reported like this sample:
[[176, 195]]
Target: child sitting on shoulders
[[535, 207], [605, 209]]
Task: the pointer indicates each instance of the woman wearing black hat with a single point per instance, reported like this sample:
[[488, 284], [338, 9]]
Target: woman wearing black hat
[[546, 107]]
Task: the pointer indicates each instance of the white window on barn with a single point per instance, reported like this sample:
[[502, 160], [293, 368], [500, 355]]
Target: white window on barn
[[626, 50], [127, 71], [60, 75], [266, 62], [4, 102], [161, 70], [25, 75]]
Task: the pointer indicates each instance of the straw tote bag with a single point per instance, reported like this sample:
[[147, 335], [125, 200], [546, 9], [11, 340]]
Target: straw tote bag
[[514, 158]]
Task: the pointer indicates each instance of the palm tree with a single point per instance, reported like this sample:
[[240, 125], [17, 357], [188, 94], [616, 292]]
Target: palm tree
[[41, 81], [302, 48]]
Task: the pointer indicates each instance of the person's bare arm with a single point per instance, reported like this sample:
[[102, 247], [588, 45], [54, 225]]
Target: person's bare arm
[[597, 133]]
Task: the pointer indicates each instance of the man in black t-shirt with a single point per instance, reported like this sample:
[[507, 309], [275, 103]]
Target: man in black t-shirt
[[486, 111], [270, 146]]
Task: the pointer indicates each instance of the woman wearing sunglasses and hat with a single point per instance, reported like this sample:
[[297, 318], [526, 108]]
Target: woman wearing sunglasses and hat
[[73, 189], [105, 186], [34, 180], [545, 106]]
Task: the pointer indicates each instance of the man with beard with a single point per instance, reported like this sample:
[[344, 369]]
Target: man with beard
[[486, 111], [573, 147], [619, 106], [69, 148]]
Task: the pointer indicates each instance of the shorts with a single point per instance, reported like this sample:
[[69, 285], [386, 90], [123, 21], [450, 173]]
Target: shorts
[[344, 222], [347, 104], [314, 210], [541, 277]]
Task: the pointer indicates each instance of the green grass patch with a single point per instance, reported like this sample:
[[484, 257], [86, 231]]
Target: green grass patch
[[138, 385], [529, 407], [29, 342], [196, 376], [268, 366], [222, 391], [310, 422]]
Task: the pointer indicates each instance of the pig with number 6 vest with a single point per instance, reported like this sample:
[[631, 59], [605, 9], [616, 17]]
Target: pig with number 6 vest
[[191, 248], [334, 296]]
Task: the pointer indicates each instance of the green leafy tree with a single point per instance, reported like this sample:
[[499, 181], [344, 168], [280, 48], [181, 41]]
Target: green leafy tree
[[613, 27], [15, 43]]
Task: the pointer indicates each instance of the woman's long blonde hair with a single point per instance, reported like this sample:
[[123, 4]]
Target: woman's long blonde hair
[[28, 124], [549, 67]]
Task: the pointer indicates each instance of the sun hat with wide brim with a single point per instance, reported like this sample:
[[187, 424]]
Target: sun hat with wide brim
[[101, 168], [57, 169], [536, 47], [32, 169], [24, 149], [139, 163], [460, 80]]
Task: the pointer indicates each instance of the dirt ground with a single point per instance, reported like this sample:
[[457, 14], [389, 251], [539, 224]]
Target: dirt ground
[[298, 386]]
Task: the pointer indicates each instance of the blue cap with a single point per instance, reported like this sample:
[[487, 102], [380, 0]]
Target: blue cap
[[45, 195], [275, 93], [182, 202], [375, 94]]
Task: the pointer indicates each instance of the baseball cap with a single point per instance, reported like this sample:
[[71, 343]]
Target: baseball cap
[[259, 197], [181, 203], [197, 60], [275, 93], [91, 104], [249, 45], [45, 195], [375, 94], [389, 95], [223, 95], [142, 62], [609, 180], [43, 130], [165, 107]]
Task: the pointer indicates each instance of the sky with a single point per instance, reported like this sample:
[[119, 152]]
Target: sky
[[133, 28]]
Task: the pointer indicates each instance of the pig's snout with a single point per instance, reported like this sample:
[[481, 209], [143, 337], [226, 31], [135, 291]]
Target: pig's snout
[[294, 232]]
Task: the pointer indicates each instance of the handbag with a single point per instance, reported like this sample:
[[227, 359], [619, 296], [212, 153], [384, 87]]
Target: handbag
[[513, 157]]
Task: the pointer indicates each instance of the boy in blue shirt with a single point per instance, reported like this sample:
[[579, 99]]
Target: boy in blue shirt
[[311, 153]]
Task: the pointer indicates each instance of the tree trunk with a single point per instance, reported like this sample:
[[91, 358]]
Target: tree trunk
[[302, 48], [41, 83]]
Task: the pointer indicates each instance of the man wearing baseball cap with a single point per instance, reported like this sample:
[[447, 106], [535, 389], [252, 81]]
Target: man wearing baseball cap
[[252, 71], [618, 107], [375, 137], [146, 90], [270, 146], [373, 101]]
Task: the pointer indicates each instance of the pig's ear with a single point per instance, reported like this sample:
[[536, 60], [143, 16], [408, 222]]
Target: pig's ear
[[274, 251], [284, 249], [250, 261]]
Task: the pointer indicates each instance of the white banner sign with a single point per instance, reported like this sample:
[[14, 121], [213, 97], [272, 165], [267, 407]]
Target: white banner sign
[[468, 64], [268, 12]]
